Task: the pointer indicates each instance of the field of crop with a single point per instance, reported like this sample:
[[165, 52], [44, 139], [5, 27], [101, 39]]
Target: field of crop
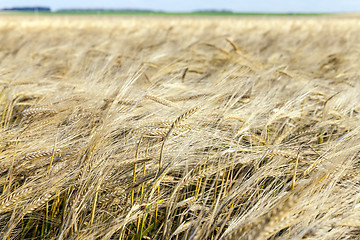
[[179, 128], [156, 14]]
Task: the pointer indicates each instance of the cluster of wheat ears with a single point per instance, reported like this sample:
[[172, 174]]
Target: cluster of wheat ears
[[179, 128]]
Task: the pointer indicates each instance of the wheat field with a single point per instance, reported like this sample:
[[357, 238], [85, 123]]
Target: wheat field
[[179, 128]]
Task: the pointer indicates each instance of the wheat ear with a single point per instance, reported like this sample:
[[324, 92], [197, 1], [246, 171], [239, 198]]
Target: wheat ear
[[183, 98], [38, 202], [160, 100], [173, 126], [37, 111], [232, 44], [266, 225], [13, 198], [270, 223], [39, 154]]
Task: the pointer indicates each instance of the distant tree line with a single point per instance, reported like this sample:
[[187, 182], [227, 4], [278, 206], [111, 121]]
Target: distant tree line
[[103, 10], [28, 9], [47, 9], [213, 10], [80, 10]]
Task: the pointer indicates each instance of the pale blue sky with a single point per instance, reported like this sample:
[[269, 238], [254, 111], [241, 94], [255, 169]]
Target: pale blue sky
[[191, 5]]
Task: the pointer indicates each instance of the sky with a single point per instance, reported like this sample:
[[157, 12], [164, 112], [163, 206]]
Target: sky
[[281, 6]]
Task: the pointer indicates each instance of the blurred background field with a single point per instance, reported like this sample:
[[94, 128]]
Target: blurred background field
[[179, 127]]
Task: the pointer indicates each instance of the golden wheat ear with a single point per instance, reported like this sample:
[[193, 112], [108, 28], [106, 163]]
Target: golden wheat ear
[[37, 111], [192, 97], [39, 154], [173, 126], [12, 198], [272, 222], [267, 225], [38, 203], [160, 100]]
